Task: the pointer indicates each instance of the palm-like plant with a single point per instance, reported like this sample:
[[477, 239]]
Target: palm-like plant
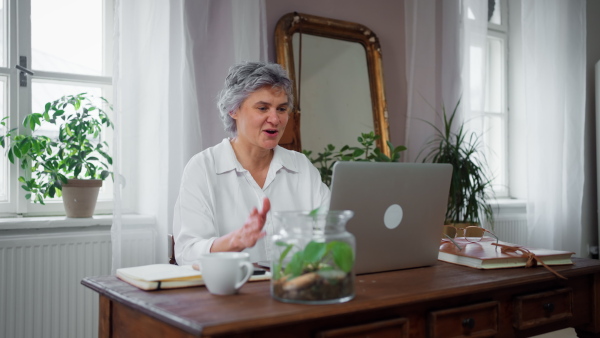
[[470, 185]]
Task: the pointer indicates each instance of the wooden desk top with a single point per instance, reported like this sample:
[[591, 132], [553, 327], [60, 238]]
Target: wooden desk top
[[196, 311]]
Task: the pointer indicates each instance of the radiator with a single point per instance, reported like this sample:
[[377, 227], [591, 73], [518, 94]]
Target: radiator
[[512, 231], [510, 222], [40, 275]]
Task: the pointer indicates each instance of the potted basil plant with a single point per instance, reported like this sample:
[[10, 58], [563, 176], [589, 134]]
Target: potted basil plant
[[72, 165]]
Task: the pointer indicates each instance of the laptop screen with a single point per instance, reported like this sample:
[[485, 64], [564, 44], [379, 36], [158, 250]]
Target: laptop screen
[[399, 211]]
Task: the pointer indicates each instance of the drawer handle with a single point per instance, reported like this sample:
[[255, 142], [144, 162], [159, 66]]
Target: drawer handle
[[468, 323], [549, 307]]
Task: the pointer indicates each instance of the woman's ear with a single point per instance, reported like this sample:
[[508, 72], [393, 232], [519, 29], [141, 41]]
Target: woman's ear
[[233, 114]]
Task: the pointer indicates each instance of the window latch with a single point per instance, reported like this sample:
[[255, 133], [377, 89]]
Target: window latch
[[22, 66]]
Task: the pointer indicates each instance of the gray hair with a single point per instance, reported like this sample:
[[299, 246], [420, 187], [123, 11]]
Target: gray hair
[[246, 78]]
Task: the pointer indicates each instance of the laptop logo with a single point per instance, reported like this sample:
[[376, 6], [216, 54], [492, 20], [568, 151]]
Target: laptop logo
[[393, 216]]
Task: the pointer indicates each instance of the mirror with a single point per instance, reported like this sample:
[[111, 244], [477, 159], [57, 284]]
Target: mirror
[[336, 69]]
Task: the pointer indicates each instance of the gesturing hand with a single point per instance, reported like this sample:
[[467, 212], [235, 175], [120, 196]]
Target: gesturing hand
[[248, 234], [252, 230]]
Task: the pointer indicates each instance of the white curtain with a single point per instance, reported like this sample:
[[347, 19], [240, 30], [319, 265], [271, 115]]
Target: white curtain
[[554, 61], [422, 74], [171, 59], [443, 39]]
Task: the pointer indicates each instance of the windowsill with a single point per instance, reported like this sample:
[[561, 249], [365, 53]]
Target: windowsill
[[502, 207], [508, 202], [55, 222], [509, 208]]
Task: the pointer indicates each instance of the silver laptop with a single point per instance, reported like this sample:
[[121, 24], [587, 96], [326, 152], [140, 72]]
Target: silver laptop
[[399, 211]]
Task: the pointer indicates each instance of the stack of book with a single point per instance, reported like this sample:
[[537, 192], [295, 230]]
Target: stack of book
[[486, 255]]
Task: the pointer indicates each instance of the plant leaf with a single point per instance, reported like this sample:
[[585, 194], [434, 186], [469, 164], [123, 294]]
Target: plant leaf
[[285, 251], [314, 252], [358, 152], [343, 256], [294, 267]]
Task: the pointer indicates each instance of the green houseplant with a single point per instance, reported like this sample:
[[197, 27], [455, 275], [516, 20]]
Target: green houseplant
[[470, 186], [77, 157], [367, 151]]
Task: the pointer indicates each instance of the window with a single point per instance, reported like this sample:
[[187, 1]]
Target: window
[[495, 106], [3, 96], [67, 44]]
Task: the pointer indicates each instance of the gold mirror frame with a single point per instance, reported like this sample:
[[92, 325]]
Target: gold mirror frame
[[335, 29]]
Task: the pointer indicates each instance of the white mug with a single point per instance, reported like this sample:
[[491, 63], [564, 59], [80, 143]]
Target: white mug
[[224, 273]]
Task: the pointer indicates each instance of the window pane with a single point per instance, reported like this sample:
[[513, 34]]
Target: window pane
[[496, 114], [3, 33], [3, 160], [496, 15], [494, 139], [44, 91], [79, 28], [495, 78], [47, 91], [476, 77]]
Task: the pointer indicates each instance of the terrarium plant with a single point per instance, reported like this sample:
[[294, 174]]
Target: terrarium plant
[[319, 271], [366, 152], [313, 257], [470, 188], [77, 152]]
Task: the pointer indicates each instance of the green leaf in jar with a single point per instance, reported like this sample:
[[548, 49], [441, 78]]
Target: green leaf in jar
[[314, 252], [288, 247], [285, 251], [294, 267], [342, 255]]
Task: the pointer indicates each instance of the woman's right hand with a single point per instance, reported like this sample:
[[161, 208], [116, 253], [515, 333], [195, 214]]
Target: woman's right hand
[[248, 234]]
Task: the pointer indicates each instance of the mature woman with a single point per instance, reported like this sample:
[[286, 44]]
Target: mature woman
[[227, 190]]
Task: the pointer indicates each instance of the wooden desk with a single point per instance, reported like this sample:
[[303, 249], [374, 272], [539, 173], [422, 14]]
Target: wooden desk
[[438, 301]]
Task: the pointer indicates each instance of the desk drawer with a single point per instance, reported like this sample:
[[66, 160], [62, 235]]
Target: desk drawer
[[542, 308], [386, 328], [479, 320]]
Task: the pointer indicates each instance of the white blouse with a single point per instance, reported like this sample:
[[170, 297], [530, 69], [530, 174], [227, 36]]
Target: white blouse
[[217, 195]]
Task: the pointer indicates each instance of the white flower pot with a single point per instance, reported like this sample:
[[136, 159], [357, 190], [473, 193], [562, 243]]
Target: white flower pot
[[80, 196]]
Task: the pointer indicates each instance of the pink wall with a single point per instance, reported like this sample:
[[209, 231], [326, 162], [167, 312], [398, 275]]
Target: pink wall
[[386, 19]]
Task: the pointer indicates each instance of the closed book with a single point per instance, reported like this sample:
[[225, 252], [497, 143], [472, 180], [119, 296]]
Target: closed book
[[161, 276], [486, 255], [167, 276]]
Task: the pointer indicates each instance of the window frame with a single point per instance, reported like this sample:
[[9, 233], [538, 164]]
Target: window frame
[[501, 32], [19, 99]]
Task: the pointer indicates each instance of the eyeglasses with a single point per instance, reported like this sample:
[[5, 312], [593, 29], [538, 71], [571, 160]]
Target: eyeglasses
[[471, 234]]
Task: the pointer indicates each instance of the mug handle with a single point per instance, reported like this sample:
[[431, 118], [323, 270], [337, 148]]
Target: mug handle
[[249, 270]]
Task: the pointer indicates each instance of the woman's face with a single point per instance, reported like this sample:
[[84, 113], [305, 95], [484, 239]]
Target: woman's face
[[262, 117]]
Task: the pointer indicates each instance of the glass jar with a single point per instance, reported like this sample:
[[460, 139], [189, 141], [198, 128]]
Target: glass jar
[[312, 257]]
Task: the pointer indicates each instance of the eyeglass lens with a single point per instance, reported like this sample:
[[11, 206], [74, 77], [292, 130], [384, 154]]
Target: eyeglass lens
[[470, 233]]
